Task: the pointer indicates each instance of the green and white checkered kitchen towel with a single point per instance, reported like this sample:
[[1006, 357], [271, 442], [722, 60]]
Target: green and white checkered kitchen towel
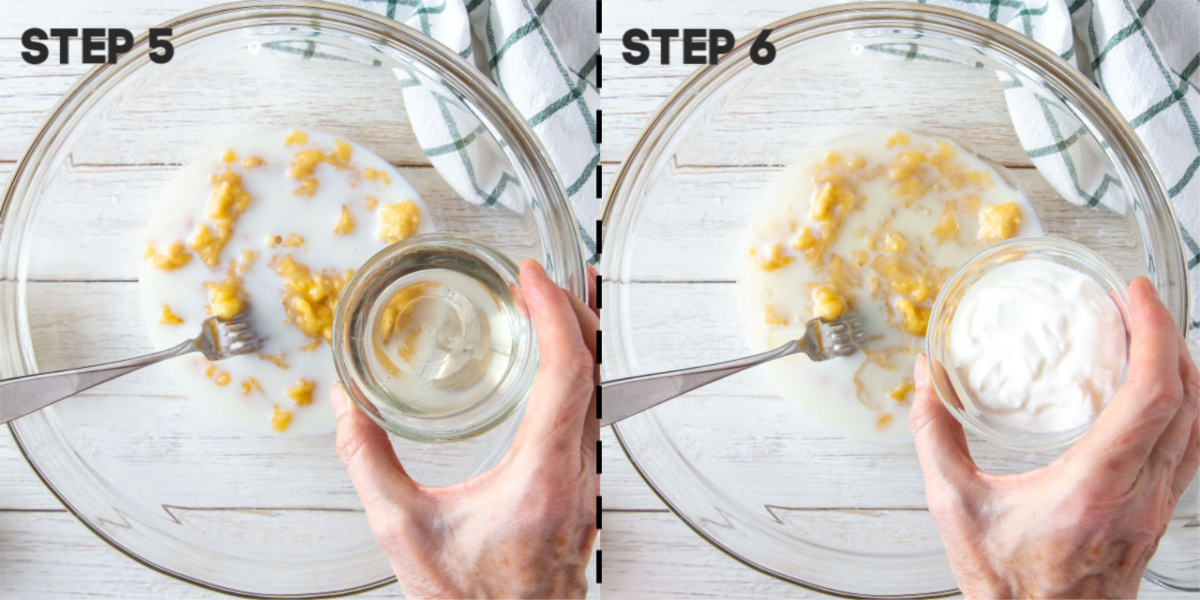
[[1145, 56], [543, 54]]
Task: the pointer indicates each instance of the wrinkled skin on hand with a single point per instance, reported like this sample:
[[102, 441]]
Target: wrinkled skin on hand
[[525, 527], [1085, 525]]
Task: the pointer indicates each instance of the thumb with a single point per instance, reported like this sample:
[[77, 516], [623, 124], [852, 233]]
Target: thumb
[[941, 443], [367, 453]]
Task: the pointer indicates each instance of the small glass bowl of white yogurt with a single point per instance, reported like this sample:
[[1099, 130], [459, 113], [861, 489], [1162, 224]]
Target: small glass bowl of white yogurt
[[431, 339], [1028, 341]]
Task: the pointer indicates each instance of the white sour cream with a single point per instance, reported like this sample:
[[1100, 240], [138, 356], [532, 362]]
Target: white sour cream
[[1039, 346]]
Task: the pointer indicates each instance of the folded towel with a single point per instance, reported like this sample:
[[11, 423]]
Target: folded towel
[[1145, 56], [544, 58]]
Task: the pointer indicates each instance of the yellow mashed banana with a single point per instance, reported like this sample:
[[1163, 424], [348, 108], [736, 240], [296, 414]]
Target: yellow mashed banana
[[309, 298], [398, 221], [294, 196], [874, 223]]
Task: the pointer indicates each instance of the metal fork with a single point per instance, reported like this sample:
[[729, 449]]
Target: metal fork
[[623, 398], [218, 339]]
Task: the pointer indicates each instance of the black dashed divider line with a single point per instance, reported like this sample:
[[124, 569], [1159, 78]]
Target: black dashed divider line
[[598, 293], [599, 129], [598, 340], [599, 249]]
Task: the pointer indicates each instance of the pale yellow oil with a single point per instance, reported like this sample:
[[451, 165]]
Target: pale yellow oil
[[440, 341]]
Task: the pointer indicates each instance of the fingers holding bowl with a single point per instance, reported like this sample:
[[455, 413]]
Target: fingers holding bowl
[[367, 453], [593, 289], [940, 440], [1141, 412], [563, 389]]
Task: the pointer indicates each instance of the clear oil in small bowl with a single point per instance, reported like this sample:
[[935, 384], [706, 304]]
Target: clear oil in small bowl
[[433, 340], [441, 342]]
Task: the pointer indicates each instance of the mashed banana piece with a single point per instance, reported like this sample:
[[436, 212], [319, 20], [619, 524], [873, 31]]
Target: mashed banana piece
[[278, 359], [305, 162], [770, 317], [224, 298], [251, 384], [280, 419], [916, 318], [174, 257], [345, 222], [398, 221], [310, 299], [228, 201], [947, 226], [775, 260], [302, 392], [373, 175], [999, 223], [827, 304], [169, 318], [295, 138], [900, 393], [831, 204]]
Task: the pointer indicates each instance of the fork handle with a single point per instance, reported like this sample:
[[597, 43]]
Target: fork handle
[[20, 396], [623, 398]]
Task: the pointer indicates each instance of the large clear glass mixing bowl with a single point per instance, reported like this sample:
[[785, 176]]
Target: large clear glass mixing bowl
[[746, 469], [150, 471]]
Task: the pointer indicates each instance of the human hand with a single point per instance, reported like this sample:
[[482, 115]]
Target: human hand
[[525, 527], [1086, 524]]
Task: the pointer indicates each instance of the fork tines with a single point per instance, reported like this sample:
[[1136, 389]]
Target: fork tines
[[237, 335], [844, 335]]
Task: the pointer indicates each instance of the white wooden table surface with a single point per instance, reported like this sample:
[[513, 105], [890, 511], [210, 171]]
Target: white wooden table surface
[[648, 552]]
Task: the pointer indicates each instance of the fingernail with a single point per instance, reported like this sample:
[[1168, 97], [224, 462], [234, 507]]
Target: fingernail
[[337, 399], [919, 371]]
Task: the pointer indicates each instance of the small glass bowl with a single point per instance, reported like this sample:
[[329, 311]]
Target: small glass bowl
[[462, 342], [951, 389]]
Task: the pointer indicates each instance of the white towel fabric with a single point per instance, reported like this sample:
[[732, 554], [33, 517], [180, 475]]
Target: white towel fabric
[[543, 55]]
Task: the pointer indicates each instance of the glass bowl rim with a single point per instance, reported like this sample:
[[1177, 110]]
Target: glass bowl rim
[[523, 147], [1079, 91], [372, 269], [476, 89], [987, 259]]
